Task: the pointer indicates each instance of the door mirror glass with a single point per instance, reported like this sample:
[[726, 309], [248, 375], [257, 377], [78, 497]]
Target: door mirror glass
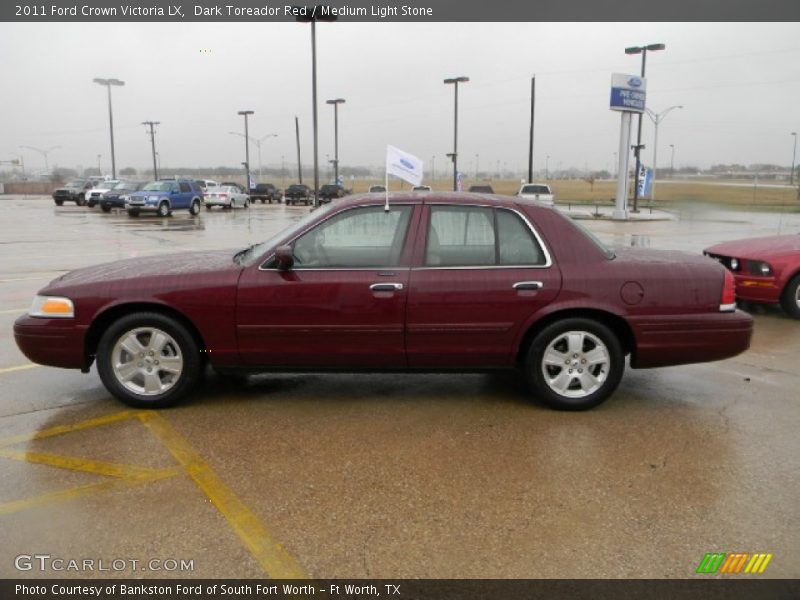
[[284, 260]]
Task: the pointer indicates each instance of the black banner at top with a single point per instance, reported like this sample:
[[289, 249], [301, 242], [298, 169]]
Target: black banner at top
[[400, 11]]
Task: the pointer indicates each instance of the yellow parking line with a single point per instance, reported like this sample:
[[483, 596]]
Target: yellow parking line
[[270, 554], [87, 465], [72, 493], [23, 279], [59, 429], [19, 368], [14, 311]]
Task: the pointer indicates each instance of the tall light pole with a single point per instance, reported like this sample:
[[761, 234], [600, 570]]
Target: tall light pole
[[657, 118], [151, 125], [794, 156], [455, 81], [245, 114], [672, 161], [335, 104], [433, 168], [44, 153], [316, 14], [108, 83], [638, 148], [547, 167], [99, 170], [477, 163], [20, 162], [258, 145]]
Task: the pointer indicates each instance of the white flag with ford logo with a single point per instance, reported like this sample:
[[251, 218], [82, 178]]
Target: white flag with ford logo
[[403, 165]]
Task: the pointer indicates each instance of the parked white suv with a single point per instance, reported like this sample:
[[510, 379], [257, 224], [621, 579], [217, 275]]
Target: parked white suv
[[537, 192]]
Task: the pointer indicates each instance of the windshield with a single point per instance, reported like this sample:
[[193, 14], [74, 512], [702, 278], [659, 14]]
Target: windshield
[[257, 250], [158, 186], [121, 185]]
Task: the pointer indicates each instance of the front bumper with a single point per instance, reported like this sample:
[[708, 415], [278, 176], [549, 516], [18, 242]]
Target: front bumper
[[751, 288], [52, 342], [141, 207], [682, 339]]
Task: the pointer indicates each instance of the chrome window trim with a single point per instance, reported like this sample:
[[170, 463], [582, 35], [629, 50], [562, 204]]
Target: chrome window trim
[[548, 261]]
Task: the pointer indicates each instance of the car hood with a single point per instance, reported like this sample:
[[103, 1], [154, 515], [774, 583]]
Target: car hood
[[162, 266], [760, 247]]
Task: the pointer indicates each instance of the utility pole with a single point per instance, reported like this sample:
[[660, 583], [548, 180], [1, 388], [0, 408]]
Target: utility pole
[[299, 165], [151, 125], [530, 143]]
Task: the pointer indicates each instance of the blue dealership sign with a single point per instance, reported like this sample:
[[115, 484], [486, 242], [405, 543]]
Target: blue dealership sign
[[628, 93]]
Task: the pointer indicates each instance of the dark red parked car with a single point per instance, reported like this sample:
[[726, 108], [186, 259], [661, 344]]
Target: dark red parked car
[[766, 269], [442, 282]]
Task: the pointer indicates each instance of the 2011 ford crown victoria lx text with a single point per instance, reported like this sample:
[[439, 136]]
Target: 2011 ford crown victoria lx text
[[439, 282]]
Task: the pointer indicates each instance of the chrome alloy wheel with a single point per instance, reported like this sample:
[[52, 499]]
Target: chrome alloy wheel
[[575, 364], [147, 361]]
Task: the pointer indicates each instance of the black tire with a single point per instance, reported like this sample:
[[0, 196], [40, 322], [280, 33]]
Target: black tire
[[59, 202], [81, 200], [208, 207], [105, 208], [163, 209], [133, 212], [194, 209], [91, 203], [560, 388], [263, 201], [180, 345], [790, 297], [246, 203]]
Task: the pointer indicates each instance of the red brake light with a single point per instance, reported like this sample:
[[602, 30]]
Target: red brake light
[[728, 300]]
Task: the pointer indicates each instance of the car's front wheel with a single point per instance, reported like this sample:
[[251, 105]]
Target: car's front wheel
[[59, 202], [194, 209], [81, 201], [574, 364], [148, 360], [163, 209], [790, 298], [105, 208]]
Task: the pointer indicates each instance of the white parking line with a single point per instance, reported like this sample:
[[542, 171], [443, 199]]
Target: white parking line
[[18, 368], [13, 311]]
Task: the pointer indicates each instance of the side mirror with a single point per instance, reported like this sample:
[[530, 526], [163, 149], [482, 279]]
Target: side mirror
[[284, 259]]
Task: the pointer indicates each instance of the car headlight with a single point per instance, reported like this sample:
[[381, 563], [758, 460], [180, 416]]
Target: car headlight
[[759, 267], [734, 264], [53, 307]]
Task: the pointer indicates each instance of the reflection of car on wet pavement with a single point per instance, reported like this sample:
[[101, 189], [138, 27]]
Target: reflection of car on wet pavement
[[439, 282], [766, 269]]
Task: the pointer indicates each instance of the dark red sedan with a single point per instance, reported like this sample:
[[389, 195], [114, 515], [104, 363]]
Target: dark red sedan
[[439, 282], [766, 269]]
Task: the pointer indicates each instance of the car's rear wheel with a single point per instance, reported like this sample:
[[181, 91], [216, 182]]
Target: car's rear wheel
[[790, 298], [59, 202], [105, 208], [194, 209], [148, 360], [574, 364], [163, 209], [246, 203]]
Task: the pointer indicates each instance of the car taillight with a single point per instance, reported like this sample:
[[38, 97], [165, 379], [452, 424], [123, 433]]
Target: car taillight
[[728, 300], [223, 195]]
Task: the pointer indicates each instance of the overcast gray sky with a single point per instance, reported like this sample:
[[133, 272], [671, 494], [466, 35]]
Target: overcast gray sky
[[739, 84]]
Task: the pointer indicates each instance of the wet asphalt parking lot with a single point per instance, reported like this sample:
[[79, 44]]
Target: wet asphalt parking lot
[[387, 476]]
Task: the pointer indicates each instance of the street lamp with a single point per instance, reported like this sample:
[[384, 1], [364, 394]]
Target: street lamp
[[108, 83], [455, 81], [317, 13], [245, 114], [43, 153], [335, 104], [638, 148], [258, 145], [657, 118], [794, 156]]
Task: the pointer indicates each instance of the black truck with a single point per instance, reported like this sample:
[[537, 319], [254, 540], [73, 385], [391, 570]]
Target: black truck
[[296, 193], [266, 192]]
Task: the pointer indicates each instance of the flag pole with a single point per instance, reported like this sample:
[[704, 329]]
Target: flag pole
[[386, 185]]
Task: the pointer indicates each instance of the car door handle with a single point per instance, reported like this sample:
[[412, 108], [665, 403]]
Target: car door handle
[[528, 285], [386, 287]]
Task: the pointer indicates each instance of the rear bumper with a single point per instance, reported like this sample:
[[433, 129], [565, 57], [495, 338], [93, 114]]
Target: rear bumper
[[51, 342], [683, 339]]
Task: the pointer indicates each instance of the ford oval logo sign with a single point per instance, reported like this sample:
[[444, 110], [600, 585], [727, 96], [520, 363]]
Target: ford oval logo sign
[[635, 82], [407, 164]]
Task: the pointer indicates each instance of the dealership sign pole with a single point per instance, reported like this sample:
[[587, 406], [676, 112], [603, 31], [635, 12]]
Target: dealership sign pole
[[627, 97]]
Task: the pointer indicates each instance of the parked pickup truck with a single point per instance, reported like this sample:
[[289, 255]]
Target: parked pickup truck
[[331, 191], [537, 192], [266, 192], [74, 191], [297, 192]]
